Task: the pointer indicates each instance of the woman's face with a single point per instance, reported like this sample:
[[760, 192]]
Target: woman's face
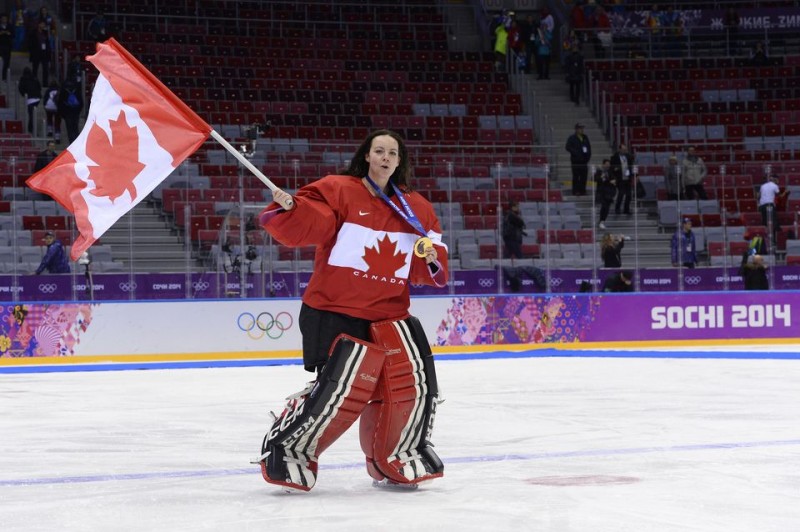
[[383, 157]]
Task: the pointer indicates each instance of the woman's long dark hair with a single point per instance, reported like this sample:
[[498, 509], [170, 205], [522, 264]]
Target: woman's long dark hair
[[359, 167]]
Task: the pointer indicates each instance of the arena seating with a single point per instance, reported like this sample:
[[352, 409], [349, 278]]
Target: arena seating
[[323, 77], [744, 121]]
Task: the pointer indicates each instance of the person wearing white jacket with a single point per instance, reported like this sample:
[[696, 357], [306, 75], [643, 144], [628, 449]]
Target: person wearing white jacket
[[693, 170]]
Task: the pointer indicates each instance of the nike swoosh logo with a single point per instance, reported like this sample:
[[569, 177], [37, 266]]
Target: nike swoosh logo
[[363, 213]]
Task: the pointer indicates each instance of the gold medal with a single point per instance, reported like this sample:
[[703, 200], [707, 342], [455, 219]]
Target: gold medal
[[420, 245]]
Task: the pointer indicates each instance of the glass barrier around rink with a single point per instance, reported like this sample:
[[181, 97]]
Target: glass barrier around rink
[[196, 236], [142, 256]]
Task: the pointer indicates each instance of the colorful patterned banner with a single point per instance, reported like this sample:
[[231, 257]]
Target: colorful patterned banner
[[47, 330], [619, 318]]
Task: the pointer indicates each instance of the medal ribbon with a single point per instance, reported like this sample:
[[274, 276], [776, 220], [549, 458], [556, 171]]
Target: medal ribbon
[[406, 214]]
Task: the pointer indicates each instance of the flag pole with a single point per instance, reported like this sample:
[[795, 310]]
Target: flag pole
[[247, 164]]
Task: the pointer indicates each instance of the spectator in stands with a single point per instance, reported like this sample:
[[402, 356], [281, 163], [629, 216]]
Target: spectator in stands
[[55, 259], [611, 250], [502, 18], [619, 282], [754, 272], [50, 24], [52, 116], [618, 7], [693, 171], [672, 25], [547, 20], [99, 27], [577, 19], [622, 173], [756, 244], [574, 66], [684, 246], [30, 88], [654, 25], [513, 231], [40, 51], [500, 47], [589, 7], [18, 22], [605, 190], [571, 42], [515, 41], [45, 156], [75, 69], [672, 179], [767, 196], [732, 22], [6, 44], [70, 105], [580, 153], [526, 29], [544, 45], [602, 35], [759, 57]]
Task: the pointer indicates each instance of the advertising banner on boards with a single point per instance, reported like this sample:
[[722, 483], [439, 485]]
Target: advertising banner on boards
[[268, 328]]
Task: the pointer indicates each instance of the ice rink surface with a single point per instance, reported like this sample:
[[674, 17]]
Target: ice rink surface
[[542, 444]]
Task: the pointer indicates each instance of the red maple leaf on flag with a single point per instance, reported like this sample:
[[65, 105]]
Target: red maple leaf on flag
[[385, 260], [117, 158]]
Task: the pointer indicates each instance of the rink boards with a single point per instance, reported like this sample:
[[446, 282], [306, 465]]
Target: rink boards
[[265, 331]]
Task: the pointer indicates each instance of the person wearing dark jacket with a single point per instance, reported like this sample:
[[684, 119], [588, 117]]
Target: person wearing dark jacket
[[754, 272], [75, 69], [513, 231], [575, 71], [6, 44], [622, 173], [605, 190], [55, 259], [619, 282], [41, 51], [611, 250], [30, 89], [580, 153], [70, 105], [45, 156]]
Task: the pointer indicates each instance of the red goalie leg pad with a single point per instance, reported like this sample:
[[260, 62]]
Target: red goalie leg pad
[[314, 418], [395, 427]]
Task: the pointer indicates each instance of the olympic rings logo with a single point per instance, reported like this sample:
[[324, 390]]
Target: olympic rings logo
[[127, 287], [48, 288], [200, 285], [486, 283], [556, 281], [694, 280], [278, 285], [265, 324]]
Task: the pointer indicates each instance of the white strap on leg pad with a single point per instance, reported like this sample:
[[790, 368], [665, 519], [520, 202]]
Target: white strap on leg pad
[[316, 417], [396, 427]]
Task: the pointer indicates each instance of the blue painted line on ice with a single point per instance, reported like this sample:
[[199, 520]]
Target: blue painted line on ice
[[204, 473], [533, 353]]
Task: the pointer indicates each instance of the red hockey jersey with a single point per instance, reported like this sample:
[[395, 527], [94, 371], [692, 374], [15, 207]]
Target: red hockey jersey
[[364, 258]]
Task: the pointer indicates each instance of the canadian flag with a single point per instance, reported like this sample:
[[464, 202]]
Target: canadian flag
[[137, 132]]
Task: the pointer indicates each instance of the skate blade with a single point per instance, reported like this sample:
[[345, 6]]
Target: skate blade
[[393, 486]]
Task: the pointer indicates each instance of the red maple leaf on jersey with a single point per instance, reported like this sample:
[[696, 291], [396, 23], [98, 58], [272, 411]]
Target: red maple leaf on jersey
[[385, 260], [117, 158]]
